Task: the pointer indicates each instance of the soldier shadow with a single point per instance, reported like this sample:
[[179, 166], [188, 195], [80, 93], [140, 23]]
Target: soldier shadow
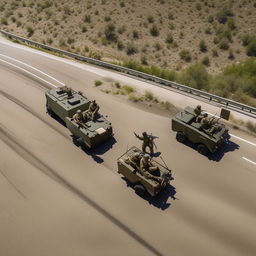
[[228, 146], [159, 201], [96, 151]]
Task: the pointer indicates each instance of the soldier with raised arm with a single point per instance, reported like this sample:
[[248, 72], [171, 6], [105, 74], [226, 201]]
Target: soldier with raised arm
[[148, 141]]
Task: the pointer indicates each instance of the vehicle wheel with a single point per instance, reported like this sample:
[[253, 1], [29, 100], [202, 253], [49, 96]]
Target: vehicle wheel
[[139, 190], [202, 149], [49, 110], [180, 137]]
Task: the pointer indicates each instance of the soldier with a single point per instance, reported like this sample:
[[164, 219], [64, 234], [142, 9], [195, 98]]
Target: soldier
[[134, 161], [93, 110], [148, 169], [147, 142], [78, 117], [68, 91], [198, 110]]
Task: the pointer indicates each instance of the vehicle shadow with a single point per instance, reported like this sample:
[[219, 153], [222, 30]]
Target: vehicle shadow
[[58, 119], [160, 201], [229, 146], [96, 151], [226, 147]]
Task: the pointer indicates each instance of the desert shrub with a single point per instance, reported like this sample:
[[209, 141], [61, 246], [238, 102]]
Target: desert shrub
[[166, 104], [215, 53], [231, 23], [87, 18], [67, 10], [185, 55], [134, 98], [198, 6], [246, 39], [30, 31], [202, 46], [231, 55], [3, 21], [107, 18], [206, 61], [195, 76], [121, 29], [98, 83], [84, 29], [110, 32], [135, 34], [169, 38], [62, 42], [210, 19], [131, 49], [251, 47], [120, 45], [144, 60], [122, 4], [223, 44], [154, 31], [223, 14], [149, 96], [151, 19], [127, 89]]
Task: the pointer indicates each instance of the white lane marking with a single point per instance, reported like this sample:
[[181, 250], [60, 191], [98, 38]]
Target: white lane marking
[[25, 64], [244, 140], [239, 138], [48, 55], [29, 73], [250, 161]]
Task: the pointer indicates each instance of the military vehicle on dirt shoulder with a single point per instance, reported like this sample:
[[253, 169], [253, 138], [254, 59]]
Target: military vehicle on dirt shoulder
[[191, 127], [64, 103], [139, 182]]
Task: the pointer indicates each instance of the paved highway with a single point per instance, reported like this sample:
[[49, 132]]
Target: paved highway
[[59, 200]]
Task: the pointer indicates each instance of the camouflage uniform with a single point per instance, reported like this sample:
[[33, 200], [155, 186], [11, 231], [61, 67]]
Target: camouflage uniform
[[68, 91], [134, 161], [78, 117], [147, 142], [147, 168], [198, 110], [93, 110]]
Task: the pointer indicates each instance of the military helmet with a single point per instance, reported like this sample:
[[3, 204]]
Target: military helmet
[[147, 156], [144, 134], [136, 154], [205, 114], [198, 106], [78, 111]]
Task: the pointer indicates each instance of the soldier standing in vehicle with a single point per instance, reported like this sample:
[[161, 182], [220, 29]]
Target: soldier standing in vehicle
[[78, 117], [148, 141], [148, 168]]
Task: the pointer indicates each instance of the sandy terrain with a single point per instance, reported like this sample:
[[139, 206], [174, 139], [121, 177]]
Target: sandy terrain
[[59, 200], [79, 26]]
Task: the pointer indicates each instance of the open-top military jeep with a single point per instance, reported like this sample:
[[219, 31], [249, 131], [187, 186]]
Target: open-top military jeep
[[141, 183]]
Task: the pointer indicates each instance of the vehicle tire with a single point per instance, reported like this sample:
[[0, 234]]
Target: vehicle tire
[[181, 137], [49, 110], [139, 190], [202, 149]]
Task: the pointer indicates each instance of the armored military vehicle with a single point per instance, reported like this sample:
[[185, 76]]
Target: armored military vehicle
[[64, 103], [140, 183], [187, 126]]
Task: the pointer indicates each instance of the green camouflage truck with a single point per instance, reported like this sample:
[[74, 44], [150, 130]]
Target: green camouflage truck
[[64, 102], [188, 128], [140, 183]]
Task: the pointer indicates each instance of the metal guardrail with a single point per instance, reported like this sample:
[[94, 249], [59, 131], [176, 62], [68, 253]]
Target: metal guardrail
[[183, 88]]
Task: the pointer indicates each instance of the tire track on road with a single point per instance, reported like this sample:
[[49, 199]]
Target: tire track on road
[[27, 155]]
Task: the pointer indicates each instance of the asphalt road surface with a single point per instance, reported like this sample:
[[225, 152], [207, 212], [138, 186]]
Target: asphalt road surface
[[57, 199]]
